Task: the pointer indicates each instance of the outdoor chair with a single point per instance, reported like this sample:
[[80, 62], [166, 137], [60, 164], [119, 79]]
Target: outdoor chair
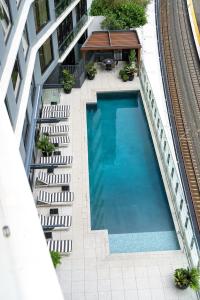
[[55, 129], [58, 160], [51, 180], [51, 199], [60, 141], [55, 222], [64, 247]]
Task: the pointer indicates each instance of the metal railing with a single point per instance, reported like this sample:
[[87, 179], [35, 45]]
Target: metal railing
[[172, 180], [61, 5], [71, 36]]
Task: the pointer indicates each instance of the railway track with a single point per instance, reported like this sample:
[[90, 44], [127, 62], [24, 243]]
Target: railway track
[[183, 73]]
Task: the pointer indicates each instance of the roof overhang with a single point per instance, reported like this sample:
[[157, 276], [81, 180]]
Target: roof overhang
[[111, 40]]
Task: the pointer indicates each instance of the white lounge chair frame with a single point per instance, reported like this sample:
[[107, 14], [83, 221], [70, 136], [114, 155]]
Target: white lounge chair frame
[[51, 180], [58, 160], [61, 141], [55, 107], [55, 199], [55, 130], [55, 115], [64, 247], [56, 222]]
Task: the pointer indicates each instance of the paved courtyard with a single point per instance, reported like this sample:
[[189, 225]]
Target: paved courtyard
[[90, 272]]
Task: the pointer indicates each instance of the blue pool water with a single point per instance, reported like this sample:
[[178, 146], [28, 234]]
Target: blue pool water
[[127, 196]]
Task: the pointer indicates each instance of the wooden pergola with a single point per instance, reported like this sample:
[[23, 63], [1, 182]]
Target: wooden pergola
[[101, 41]]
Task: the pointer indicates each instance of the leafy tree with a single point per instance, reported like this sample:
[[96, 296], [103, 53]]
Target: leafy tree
[[120, 14]]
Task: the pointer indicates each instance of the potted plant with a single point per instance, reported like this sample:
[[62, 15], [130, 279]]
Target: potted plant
[[56, 258], [125, 77], [91, 71], [130, 71], [45, 146], [68, 81], [185, 278], [132, 58]]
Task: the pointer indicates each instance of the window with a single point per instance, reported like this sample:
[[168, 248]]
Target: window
[[41, 14], [16, 77], [5, 18], [192, 243], [25, 42], [64, 29], [172, 173], [152, 102], [165, 145], [155, 112], [186, 222], [161, 134], [181, 204], [168, 158], [150, 94], [158, 123], [46, 54], [18, 2], [81, 9], [25, 131], [176, 188]]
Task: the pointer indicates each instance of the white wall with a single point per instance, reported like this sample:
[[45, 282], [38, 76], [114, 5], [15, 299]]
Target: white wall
[[95, 25]]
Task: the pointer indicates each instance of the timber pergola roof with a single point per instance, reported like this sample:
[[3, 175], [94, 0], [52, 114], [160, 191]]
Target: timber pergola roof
[[111, 40]]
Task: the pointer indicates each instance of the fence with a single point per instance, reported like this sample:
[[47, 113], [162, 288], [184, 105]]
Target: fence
[[174, 184]]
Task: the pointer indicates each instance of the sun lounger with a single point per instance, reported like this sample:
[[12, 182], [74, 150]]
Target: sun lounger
[[60, 141], [62, 246], [56, 222], [55, 130], [56, 107], [61, 115], [44, 179], [59, 198], [57, 160]]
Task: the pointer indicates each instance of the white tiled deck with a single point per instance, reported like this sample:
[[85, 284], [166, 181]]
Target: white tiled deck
[[90, 272]]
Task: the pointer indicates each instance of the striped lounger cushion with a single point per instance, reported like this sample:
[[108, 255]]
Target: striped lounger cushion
[[53, 130], [53, 179], [56, 107], [55, 114], [57, 160], [62, 246], [56, 221], [60, 140], [58, 198]]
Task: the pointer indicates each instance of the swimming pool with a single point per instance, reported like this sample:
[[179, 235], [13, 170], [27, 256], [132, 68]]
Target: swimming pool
[[127, 195]]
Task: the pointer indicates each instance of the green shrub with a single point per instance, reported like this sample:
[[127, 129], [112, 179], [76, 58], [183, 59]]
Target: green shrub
[[120, 14], [56, 258]]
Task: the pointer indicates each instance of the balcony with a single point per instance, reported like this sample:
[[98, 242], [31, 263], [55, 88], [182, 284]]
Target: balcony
[[71, 36], [61, 5]]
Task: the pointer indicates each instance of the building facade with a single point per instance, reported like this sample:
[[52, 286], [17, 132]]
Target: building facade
[[35, 36]]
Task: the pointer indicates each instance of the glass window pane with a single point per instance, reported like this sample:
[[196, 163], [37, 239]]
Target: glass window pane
[[5, 18], [41, 14], [64, 29], [25, 42], [16, 77], [46, 54]]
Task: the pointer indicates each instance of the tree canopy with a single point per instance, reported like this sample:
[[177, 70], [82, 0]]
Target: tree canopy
[[120, 14]]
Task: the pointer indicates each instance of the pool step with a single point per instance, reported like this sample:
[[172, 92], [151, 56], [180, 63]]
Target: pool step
[[143, 242]]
